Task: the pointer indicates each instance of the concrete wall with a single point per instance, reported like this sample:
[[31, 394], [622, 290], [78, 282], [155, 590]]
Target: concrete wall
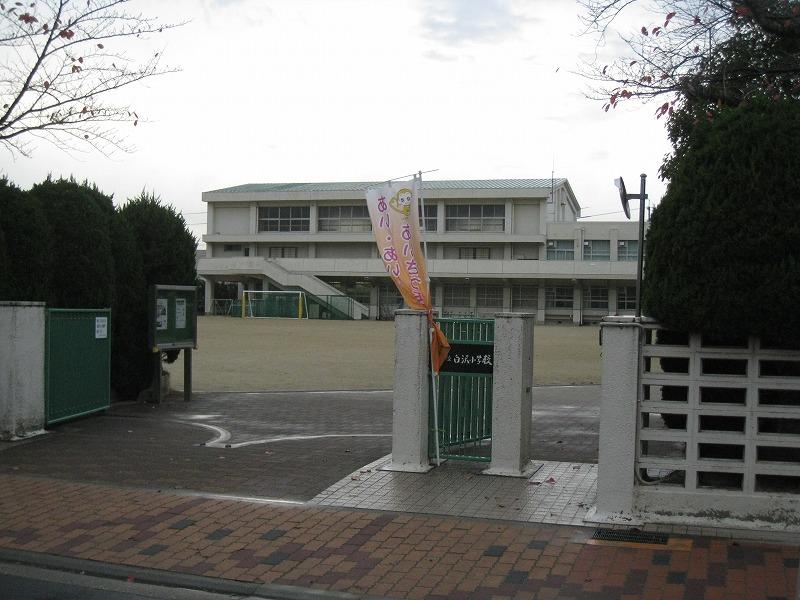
[[22, 332], [328, 250], [709, 438], [526, 218], [232, 219]]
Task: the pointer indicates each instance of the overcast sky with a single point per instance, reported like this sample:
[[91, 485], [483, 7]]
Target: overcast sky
[[354, 90]]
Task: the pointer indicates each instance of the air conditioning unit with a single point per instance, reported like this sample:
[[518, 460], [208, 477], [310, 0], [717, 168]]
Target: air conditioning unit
[[585, 243], [621, 243], [551, 244]]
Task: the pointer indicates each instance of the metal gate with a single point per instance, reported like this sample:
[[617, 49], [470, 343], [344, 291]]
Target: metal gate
[[465, 392], [77, 363]]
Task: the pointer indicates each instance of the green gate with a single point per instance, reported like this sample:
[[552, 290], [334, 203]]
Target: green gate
[[465, 392], [77, 363]]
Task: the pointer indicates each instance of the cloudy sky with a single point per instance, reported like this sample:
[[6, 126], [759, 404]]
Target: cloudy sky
[[354, 90]]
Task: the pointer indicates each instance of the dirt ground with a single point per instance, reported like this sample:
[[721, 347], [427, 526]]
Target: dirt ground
[[289, 354]]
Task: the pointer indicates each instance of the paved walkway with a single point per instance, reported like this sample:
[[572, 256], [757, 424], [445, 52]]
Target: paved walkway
[[559, 493], [377, 553]]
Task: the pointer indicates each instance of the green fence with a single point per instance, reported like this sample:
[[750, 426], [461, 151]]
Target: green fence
[[77, 363], [464, 400], [334, 307]]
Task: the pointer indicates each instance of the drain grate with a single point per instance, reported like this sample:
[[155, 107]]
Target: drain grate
[[634, 537]]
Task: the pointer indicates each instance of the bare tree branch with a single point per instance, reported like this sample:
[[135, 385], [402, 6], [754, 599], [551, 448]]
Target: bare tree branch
[[59, 62], [702, 52]]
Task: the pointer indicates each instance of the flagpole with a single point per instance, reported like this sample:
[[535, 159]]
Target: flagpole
[[434, 374]]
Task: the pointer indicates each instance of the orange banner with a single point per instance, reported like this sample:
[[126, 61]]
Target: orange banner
[[394, 212]]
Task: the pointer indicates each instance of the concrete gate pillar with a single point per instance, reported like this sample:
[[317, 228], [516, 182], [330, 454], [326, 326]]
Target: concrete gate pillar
[[617, 452], [22, 333], [512, 395], [410, 404]]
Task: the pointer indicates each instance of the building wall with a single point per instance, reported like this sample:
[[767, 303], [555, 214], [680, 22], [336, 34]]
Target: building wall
[[526, 218], [232, 219], [347, 250]]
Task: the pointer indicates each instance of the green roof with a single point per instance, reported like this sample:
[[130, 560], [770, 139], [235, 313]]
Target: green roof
[[360, 186]]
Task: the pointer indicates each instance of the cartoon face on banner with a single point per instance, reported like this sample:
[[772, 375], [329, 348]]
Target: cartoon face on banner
[[401, 201]]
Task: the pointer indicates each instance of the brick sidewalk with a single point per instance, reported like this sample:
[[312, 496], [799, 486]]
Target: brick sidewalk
[[376, 553]]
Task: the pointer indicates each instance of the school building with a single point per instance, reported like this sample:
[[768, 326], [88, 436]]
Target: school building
[[492, 245]]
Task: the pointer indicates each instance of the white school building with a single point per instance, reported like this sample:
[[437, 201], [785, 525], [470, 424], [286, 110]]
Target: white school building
[[492, 245]]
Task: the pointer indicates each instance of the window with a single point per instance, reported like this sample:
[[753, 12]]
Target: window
[[456, 295], [626, 297], [595, 297], [560, 250], [429, 223], [344, 218], [474, 253], [283, 252], [283, 218], [475, 217], [628, 250], [558, 297], [596, 250], [232, 247], [525, 297], [489, 296]]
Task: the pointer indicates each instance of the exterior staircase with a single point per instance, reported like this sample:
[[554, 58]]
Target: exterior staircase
[[318, 292]]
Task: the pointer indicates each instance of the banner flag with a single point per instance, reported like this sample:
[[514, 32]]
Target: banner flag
[[395, 222], [394, 211]]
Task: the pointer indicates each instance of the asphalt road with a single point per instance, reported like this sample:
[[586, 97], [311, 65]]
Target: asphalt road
[[286, 446], [24, 582]]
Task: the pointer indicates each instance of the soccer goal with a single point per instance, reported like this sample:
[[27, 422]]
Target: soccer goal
[[270, 304]]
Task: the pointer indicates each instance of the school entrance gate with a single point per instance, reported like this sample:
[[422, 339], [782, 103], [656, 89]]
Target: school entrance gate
[[77, 363], [464, 402]]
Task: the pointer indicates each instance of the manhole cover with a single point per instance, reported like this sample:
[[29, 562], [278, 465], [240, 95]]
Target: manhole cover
[[634, 537]]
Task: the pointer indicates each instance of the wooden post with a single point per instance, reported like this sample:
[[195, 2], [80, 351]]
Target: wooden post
[[157, 377], [187, 374]]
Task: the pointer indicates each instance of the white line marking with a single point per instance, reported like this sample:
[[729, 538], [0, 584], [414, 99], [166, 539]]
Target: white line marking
[[222, 440], [245, 498]]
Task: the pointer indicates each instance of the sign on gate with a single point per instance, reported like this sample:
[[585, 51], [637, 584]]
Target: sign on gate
[[469, 358]]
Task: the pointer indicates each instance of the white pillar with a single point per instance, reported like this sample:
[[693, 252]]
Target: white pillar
[[410, 403], [22, 333], [577, 303], [617, 456], [208, 294], [512, 392], [541, 301]]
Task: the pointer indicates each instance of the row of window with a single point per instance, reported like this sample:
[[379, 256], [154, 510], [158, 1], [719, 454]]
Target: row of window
[[458, 217], [594, 250], [464, 252], [526, 297]]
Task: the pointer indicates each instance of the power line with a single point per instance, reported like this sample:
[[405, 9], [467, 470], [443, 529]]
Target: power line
[[616, 212]]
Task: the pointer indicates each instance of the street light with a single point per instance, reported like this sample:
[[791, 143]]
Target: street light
[[624, 196]]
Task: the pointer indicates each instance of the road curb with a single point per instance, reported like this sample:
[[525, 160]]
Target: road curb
[[172, 578]]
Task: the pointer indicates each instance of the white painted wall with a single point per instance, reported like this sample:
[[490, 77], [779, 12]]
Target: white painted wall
[[329, 250], [232, 219], [526, 218], [22, 332]]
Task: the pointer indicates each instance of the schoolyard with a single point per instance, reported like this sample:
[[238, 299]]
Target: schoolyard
[[288, 354]]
